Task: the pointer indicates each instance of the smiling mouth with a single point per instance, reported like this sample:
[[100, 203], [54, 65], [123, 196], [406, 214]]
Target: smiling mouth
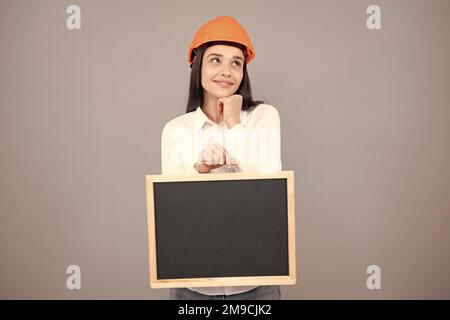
[[224, 84]]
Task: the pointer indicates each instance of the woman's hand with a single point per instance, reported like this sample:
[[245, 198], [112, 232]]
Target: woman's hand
[[213, 157], [231, 108]]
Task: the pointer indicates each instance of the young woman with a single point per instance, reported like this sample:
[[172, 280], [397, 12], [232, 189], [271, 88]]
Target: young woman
[[224, 129]]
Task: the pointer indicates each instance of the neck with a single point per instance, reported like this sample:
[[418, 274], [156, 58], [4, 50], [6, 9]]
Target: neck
[[210, 108]]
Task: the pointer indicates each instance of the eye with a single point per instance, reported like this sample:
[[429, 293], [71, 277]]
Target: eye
[[237, 62], [215, 59]]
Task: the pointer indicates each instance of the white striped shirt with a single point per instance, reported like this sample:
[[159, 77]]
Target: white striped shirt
[[255, 143]]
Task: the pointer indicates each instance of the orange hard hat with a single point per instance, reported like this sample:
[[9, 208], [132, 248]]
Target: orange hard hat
[[222, 28]]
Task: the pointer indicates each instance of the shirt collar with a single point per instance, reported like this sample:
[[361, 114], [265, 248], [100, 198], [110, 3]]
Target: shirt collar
[[200, 119]]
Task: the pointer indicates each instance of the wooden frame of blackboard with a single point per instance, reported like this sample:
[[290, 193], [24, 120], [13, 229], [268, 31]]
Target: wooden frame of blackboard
[[221, 281]]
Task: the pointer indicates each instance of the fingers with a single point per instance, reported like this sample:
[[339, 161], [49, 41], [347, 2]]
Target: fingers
[[219, 154], [230, 162], [229, 159], [208, 156], [225, 157], [216, 155], [205, 156], [212, 155]]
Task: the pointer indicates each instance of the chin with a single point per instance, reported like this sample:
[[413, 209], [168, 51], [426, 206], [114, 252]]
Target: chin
[[224, 93]]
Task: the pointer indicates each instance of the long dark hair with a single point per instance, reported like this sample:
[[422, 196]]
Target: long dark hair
[[195, 85]]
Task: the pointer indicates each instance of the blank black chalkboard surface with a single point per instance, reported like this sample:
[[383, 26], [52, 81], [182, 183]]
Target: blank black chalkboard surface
[[226, 229]]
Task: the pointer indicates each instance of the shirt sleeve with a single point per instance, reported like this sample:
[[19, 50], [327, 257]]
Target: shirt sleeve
[[171, 154], [256, 146]]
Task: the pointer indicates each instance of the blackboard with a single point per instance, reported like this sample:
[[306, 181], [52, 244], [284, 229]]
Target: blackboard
[[221, 229]]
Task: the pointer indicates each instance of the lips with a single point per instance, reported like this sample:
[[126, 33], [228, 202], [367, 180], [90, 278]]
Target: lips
[[224, 83]]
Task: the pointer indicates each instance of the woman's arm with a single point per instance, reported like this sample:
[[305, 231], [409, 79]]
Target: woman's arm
[[171, 158], [257, 147]]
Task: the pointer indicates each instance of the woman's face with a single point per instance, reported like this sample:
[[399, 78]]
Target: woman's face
[[222, 70]]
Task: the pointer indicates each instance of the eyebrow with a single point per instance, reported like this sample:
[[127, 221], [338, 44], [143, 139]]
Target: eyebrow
[[219, 55]]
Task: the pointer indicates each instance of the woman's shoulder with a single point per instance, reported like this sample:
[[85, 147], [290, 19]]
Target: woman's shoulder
[[184, 121], [263, 108]]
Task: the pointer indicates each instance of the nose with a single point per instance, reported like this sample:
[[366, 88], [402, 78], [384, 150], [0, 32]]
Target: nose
[[225, 72]]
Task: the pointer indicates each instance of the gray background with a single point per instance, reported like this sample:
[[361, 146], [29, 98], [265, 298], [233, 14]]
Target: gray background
[[365, 125]]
